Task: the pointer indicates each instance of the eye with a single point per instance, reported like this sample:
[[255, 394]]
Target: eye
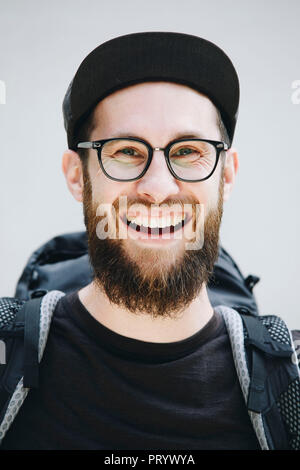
[[183, 151], [128, 151], [186, 152]]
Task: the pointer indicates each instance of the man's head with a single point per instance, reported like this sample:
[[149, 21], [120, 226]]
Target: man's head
[[154, 275]]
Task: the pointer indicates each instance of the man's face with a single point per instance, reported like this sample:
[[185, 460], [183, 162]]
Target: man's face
[[154, 274]]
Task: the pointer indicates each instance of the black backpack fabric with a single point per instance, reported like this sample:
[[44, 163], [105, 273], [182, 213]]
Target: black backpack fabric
[[63, 264]]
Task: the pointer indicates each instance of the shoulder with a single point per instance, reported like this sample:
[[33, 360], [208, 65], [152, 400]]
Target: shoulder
[[10, 306]]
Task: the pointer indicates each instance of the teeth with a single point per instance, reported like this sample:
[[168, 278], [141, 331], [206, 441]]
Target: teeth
[[176, 219], [138, 221], [163, 222]]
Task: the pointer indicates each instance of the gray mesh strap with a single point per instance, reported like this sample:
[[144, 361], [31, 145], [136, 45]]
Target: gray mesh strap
[[47, 308], [235, 330], [296, 356]]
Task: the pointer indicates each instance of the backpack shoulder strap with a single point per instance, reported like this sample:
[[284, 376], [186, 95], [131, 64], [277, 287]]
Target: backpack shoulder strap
[[296, 340], [31, 313], [33, 320], [235, 328], [264, 356]]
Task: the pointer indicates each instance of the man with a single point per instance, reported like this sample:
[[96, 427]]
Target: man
[[139, 358]]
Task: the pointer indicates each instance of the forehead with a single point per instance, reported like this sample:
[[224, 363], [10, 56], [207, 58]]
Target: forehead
[[156, 108]]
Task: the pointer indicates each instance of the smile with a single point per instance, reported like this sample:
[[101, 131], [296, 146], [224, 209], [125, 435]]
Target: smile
[[156, 226]]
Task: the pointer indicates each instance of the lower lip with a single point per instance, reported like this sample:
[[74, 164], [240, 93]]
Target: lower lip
[[155, 238]]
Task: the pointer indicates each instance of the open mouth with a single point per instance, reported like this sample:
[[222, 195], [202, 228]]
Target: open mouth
[[156, 230]]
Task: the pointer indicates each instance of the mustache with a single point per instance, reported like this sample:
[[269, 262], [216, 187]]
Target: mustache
[[169, 203]]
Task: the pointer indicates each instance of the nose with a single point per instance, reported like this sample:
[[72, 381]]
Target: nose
[[158, 183]]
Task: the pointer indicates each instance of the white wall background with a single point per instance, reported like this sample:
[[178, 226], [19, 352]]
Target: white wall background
[[41, 45]]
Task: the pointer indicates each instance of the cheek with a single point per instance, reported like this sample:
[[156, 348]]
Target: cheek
[[206, 193], [105, 190], [102, 191]]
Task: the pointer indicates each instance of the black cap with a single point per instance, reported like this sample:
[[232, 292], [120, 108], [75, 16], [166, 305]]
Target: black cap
[[150, 56]]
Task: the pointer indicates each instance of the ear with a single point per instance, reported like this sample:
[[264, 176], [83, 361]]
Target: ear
[[72, 168], [230, 170]]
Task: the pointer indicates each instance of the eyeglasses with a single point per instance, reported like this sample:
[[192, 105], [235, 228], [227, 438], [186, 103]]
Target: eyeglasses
[[128, 159]]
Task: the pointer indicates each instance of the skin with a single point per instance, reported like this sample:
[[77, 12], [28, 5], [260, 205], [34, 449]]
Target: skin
[[157, 112]]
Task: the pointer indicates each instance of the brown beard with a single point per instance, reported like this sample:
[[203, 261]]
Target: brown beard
[[160, 292]]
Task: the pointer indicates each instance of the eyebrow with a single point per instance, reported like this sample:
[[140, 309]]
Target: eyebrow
[[180, 135]]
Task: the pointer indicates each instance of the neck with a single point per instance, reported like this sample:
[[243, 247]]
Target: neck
[[141, 326]]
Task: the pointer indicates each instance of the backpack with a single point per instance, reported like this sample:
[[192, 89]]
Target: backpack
[[263, 351]]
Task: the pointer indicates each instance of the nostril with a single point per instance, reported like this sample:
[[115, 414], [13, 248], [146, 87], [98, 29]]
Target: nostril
[[153, 199]]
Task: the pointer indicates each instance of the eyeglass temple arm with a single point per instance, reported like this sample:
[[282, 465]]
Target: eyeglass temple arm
[[223, 145], [85, 145]]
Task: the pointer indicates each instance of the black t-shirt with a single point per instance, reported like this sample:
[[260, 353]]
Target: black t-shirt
[[102, 390]]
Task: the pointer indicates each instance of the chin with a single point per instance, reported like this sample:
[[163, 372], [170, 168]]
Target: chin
[[152, 255]]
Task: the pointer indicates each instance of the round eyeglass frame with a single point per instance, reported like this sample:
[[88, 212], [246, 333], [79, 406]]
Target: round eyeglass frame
[[98, 145]]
